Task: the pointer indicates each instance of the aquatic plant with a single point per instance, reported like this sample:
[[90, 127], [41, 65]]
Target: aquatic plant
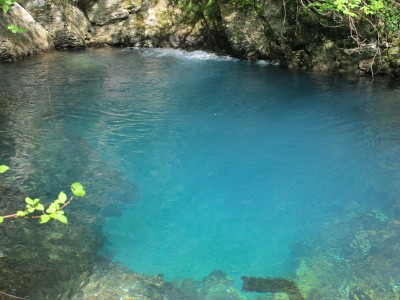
[[55, 210]]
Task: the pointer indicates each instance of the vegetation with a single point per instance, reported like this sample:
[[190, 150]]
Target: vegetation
[[16, 29], [253, 5], [371, 23], [381, 14], [198, 9], [6, 4], [36, 210]]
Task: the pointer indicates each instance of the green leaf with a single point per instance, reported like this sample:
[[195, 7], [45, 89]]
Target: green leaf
[[1, 220], [6, 8], [36, 201], [5, 4], [62, 197], [29, 209], [29, 201], [52, 208], [44, 219], [39, 206], [15, 29], [62, 219], [21, 213], [58, 212], [77, 189], [3, 168]]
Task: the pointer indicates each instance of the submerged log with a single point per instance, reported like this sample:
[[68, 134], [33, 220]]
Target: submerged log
[[272, 285]]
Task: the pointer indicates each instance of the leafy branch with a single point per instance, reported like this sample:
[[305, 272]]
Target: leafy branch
[[369, 21], [34, 209], [379, 13]]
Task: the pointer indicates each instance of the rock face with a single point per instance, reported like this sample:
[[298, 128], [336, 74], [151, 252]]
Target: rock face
[[138, 23], [277, 33], [66, 24], [15, 46], [110, 11], [248, 34], [152, 24]]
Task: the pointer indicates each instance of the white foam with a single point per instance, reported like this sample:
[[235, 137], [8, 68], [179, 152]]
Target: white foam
[[267, 63], [182, 54], [262, 62]]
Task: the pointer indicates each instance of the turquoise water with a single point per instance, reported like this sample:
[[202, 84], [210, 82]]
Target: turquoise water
[[234, 163]]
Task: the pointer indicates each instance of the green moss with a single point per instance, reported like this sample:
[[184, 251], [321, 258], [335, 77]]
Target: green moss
[[165, 18]]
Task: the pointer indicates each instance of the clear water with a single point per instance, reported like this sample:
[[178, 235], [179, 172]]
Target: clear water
[[235, 162]]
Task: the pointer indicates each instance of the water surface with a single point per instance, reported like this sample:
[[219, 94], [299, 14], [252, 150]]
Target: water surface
[[234, 164]]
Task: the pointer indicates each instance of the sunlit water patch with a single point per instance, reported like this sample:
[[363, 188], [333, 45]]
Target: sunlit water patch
[[237, 166]]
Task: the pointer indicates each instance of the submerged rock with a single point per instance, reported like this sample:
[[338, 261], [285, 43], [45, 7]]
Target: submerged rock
[[111, 281], [356, 259], [272, 285]]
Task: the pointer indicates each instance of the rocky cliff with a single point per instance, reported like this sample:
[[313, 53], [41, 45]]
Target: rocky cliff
[[278, 33], [13, 46], [281, 32]]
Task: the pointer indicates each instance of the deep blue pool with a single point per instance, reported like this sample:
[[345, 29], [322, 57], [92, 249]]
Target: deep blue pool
[[235, 164]]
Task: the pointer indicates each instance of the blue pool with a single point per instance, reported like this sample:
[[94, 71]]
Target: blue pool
[[236, 166]]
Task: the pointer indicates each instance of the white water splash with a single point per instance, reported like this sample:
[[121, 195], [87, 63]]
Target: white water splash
[[181, 54], [267, 63]]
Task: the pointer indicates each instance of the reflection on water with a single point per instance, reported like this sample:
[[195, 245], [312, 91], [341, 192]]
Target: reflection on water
[[203, 163]]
